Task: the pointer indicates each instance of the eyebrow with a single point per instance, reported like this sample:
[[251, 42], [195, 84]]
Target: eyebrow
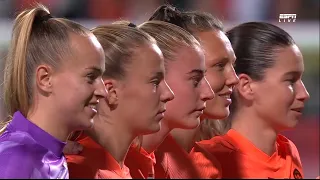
[[222, 60], [94, 68], [159, 75], [197, 71], [293, 73], [225, 59]]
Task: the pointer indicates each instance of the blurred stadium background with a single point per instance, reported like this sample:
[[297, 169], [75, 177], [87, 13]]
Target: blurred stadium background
[[305, 31]]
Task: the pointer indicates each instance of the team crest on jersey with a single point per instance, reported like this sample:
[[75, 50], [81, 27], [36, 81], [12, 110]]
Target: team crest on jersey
[[297, 174]]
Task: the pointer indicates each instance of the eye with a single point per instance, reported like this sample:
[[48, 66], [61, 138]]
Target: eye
[[220, 66], [91, 77], [156, 82], [196, 80], [292, 83]]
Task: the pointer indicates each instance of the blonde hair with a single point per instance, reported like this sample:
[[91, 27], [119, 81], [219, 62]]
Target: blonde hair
[[210, 127], [194, 22], [37, 38], [169, 37], [119, 42]]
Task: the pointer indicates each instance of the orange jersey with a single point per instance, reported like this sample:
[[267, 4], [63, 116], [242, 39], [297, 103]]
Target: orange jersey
[[174, 162], [140, 163], [206, 164], [95, 162], [239, 158]]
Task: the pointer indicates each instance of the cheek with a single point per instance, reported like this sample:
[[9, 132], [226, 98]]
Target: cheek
[[264, 97], [72, 92], [185, 92], [150, 97], [66, 84], [289, 94], [216, 81], [140, 98], [283, 94], [276, 98], [185, 99]]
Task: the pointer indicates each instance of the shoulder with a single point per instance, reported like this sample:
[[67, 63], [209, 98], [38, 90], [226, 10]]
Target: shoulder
[[207, 164], [80, 166], [223, 151], [18, 144], [218, 145], [285, 145], [16, 160]]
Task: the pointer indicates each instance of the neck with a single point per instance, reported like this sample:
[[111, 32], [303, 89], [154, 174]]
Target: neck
[[185, 137], [152, 141], [256, 130], [49, 122], [113, 136]]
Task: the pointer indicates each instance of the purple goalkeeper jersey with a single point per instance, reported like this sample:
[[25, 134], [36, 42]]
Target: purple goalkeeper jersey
[[27, 151]]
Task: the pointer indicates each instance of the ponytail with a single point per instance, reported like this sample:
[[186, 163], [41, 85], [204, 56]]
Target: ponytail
[[16, 92], [37, 39]]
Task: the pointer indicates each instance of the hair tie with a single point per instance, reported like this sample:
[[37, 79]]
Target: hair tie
[[41, 19], [46, 17], [132, 25]]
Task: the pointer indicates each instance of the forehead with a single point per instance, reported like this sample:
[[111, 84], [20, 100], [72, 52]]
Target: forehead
[[288, 59], [86, 50], [187, 59], [146, 59], [216, 44]]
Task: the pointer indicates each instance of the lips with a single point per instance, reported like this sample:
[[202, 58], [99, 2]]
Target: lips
[[298, 109], [226, 94], [161, 111], [93, 106], [201, 108]]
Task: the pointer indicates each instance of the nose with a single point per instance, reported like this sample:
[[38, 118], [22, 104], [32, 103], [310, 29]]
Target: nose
[[100, 91], [206, 91], [232, 78], [166, 92], [301, 92]]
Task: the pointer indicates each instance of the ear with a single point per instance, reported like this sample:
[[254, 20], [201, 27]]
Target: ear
[[44, 78], [112, 89], [245, 86]]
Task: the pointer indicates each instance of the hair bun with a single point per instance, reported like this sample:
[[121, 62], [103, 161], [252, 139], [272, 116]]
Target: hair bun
[[125, 23], [171, 13], [42, 16], [168, 14], [132, 25]]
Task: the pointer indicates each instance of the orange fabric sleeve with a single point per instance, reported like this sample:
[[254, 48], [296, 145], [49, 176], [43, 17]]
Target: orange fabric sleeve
[[94, 162], [207, 165], [239, 158]]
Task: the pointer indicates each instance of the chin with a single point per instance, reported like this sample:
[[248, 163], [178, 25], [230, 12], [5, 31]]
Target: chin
[[292, 124], [216, 114], [287, 126], [86, 124], [153, 128]]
